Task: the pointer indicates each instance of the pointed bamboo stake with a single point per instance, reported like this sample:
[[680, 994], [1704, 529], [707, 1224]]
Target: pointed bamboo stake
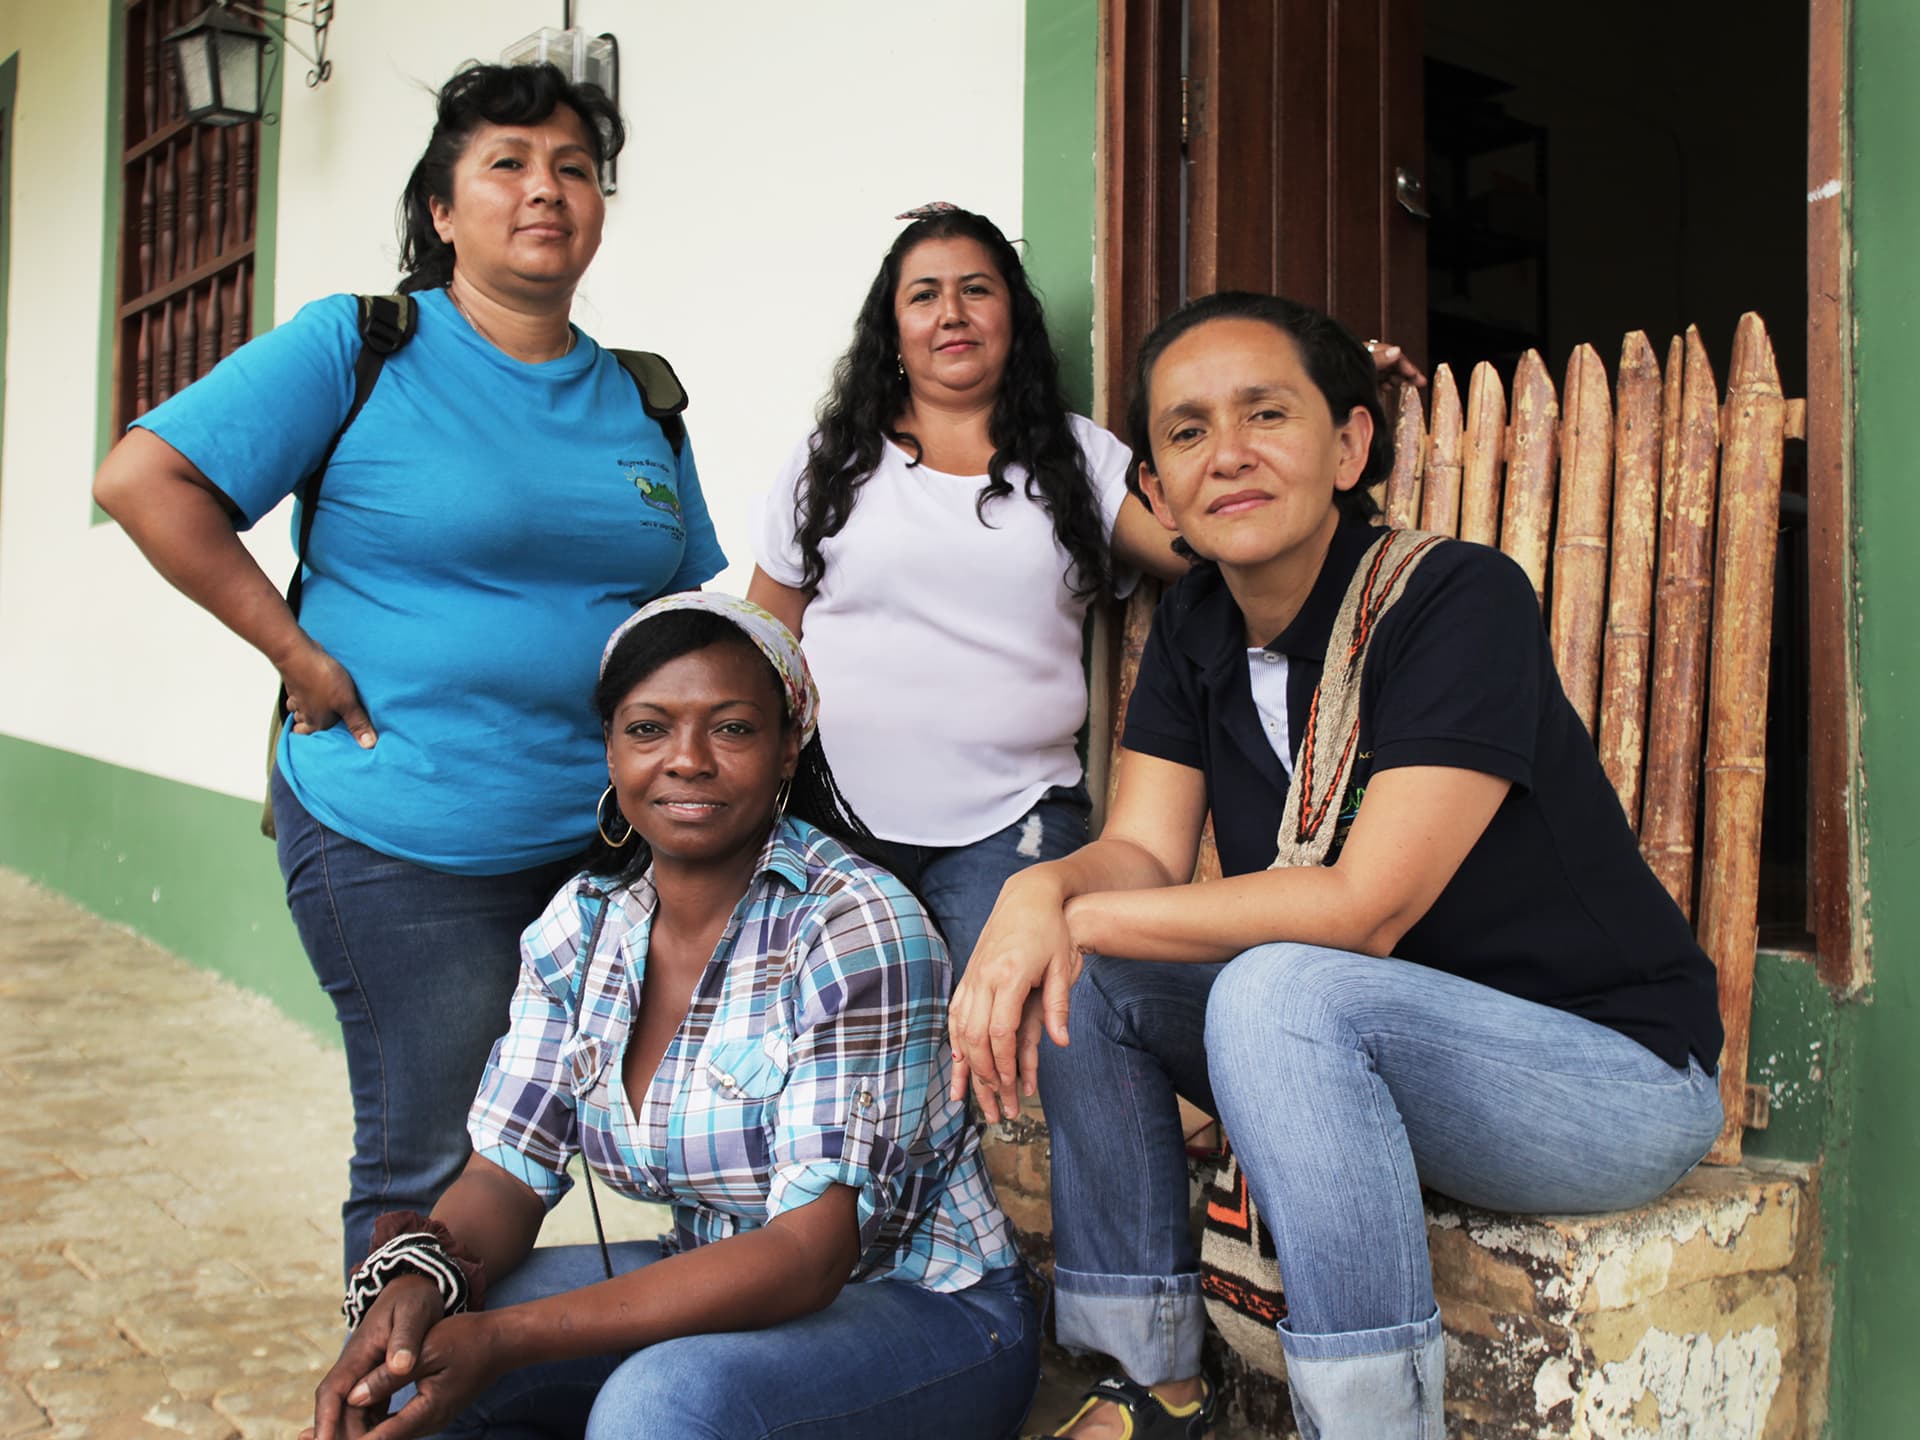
[[1683, 596], [1136, 620], [1527, 514], [1440, 488], [1754, 426], [1636, 508], [1483, 457], [1580, 540], [1409, 454]]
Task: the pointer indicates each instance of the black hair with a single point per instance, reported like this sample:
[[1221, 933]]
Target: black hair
[[1338, 365], [488, 95], [1030, 425], [813, 796]]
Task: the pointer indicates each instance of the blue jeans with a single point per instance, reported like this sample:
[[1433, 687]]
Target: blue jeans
[[1344, 1082], [420, 966], [959, 883], [886, 1361]]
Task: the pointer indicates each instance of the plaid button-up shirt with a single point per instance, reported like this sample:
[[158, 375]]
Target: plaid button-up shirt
[[813, 1054]]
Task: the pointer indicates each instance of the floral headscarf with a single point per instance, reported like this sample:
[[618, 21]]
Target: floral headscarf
[[771, 638]]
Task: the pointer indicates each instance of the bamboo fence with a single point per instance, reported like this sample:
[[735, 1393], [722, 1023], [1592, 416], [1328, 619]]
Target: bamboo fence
[[1646, 517]]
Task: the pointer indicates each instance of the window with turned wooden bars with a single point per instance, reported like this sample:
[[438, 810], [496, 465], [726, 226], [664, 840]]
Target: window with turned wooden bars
[[188, 211]]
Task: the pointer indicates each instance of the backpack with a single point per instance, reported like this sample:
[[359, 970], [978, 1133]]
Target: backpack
[[386, 324]]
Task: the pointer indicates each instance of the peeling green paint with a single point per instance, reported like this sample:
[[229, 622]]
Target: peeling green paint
[[1873, 1157], [1790, 1051]]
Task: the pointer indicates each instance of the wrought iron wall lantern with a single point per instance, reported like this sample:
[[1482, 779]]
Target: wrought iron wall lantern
[[221, 59]]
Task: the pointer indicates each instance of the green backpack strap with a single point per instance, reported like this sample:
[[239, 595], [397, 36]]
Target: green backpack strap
[[662, 395]]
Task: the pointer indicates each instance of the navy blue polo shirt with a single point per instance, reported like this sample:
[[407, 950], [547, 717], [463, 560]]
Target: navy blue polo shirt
[[1553, 903]]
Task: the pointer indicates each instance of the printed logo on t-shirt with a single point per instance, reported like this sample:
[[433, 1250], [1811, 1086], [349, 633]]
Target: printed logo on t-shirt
[[656, 490]]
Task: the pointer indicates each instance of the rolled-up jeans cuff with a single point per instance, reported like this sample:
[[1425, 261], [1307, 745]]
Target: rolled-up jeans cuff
[[1350, 1344], [1363, 1383], [1152, 1324]]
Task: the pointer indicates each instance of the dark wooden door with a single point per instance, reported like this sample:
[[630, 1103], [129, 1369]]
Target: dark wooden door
[[1264, 145]]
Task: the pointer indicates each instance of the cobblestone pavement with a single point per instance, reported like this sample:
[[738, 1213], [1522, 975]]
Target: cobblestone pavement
[[172, 1157]]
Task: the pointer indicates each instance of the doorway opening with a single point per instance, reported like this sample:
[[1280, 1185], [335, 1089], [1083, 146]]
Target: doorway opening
[[1582, 183]]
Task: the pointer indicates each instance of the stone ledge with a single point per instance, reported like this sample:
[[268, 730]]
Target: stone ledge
[[1685, 1317], [1721, 1221], [1701, 1315]]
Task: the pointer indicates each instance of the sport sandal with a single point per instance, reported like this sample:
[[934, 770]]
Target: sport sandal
[[1147, 1416]]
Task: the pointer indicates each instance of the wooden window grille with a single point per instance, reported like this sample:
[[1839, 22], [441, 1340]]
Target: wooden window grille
[[189, 208]]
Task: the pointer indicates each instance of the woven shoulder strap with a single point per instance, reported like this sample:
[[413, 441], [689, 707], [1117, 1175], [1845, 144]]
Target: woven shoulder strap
[[1327, 749]]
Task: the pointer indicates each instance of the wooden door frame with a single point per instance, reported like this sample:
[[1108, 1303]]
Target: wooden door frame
[[1137, 277], [1836, 867]]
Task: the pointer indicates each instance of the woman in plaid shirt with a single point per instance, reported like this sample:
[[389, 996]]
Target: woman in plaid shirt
[[736, 1015]]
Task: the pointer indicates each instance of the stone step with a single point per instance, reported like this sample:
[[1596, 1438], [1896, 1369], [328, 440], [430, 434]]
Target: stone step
[[1702, 1315], [1698, 1315]]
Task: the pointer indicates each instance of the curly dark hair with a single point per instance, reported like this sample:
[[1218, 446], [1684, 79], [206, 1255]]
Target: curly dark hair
[[488, 95], [1029, 427], [1338, 365], [813, 796]]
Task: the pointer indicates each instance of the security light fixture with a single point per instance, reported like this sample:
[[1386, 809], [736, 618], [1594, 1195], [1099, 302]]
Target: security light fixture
[[582, 58]]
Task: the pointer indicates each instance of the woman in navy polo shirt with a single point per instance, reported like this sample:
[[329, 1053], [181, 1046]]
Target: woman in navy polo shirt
[[1457, 963]]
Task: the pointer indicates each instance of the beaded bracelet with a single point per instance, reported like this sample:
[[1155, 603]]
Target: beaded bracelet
[[414, 1245]]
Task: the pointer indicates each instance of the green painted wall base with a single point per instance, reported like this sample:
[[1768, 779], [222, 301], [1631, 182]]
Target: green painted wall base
[[1791, 1051], [185, 867]]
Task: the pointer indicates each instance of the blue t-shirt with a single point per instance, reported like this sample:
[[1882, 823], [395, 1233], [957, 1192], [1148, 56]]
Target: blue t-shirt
[[484, 525]]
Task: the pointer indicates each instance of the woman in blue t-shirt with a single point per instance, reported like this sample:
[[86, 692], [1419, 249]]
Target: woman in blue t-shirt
[[499, 503]]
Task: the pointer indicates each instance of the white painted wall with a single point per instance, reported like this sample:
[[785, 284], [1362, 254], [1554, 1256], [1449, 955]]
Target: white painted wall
[[773, 145]]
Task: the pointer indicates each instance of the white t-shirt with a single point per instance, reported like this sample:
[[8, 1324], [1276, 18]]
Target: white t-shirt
[[947, 651]]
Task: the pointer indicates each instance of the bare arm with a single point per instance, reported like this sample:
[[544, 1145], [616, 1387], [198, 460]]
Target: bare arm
[[1125, 895], [1026, 960], [787, 604], [1414, 829], [1144, 543], [184, 526], [793, 1266]]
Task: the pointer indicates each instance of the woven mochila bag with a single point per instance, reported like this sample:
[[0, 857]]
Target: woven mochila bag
[[1239, 1270]]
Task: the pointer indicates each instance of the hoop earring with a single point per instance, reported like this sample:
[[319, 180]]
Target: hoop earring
[[600, 824], [780, 798]]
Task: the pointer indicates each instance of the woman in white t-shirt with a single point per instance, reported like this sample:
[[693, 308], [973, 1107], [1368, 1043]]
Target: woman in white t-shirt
[[938, 539]]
